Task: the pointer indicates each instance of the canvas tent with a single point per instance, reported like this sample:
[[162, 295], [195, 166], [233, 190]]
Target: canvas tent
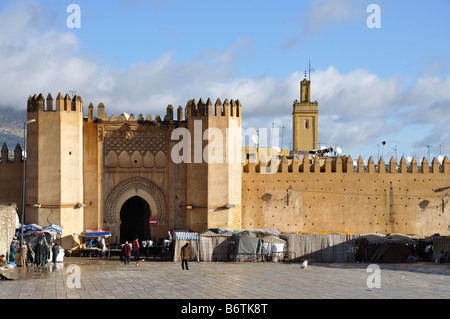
[[392, 248], [181, 237], [37, 238], [214, 245], [35, 234], [321, 247], [440, 243], [247, 245], [274, 248]]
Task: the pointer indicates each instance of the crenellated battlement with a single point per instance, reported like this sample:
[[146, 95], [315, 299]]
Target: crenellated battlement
[[193, 108], [228, 108], [4, 158], [38, 103], [343, 164]]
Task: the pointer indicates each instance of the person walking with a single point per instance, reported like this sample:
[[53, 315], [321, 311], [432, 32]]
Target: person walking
[[39, 254], [23, 255], [55, 251], [136, 247], [12, 252], [185, 256], [126, 252], [30, 254], [46, 254], [148, 245]]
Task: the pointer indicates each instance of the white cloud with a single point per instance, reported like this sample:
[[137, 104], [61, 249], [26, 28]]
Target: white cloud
[[324, 13]]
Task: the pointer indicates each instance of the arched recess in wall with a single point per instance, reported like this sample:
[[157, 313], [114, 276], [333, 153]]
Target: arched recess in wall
[[111, 159], [124, 159], [160, 159], [149, 160], [136, 186], [136, 159]]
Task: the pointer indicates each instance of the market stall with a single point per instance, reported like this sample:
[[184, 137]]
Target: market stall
[[214, 245], [380, 248], [181, 237], [93, 243], [320, 247]]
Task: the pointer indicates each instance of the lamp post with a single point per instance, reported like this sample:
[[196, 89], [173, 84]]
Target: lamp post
[[23, 177]]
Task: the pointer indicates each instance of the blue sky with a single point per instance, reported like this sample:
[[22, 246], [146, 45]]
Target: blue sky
[[385, 84]]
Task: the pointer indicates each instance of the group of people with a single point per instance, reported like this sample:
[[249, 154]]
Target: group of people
[[38, 256], [134, 247], [126, 251]]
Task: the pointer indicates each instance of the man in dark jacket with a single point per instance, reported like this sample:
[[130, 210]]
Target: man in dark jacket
[[184, 256], [126, 252], [30, 254], [39, 254], [136, 248], [55, 251]]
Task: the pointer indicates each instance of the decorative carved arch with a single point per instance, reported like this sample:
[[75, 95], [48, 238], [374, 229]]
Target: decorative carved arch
[[158, 199]]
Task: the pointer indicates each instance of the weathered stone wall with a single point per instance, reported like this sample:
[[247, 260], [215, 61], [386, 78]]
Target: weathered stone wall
[[8, 218], [333, 196], [11, 171]]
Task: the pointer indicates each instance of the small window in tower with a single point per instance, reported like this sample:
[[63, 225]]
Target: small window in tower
[[306, 123]]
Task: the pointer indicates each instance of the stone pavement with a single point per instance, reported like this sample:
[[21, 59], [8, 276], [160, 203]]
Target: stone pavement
[[107, 278]]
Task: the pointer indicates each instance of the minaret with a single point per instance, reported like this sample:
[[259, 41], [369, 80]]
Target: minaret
[[305, 119]]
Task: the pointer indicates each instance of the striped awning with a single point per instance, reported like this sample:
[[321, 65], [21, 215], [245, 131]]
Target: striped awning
[[185, 235], [98, 233], [210, 233], [31, 227], [52, 228]]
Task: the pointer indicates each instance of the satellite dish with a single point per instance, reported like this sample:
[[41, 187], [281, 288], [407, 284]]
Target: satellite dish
[[339, 150], [440, 159], [255, 139], [277, 149], [409, 159]]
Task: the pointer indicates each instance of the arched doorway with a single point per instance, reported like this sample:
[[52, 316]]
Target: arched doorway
[[134, 220], [146, 190]]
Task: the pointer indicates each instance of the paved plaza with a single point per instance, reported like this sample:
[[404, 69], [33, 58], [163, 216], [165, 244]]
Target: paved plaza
[[108, 278]]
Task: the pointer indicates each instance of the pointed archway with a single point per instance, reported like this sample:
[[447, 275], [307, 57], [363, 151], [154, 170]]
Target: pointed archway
[[130, 188], [134, 217]]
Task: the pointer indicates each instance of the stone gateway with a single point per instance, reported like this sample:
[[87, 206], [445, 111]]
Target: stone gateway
[[117, 173]]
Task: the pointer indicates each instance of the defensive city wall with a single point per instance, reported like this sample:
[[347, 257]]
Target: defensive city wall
[[330, 194], [11, 170]]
